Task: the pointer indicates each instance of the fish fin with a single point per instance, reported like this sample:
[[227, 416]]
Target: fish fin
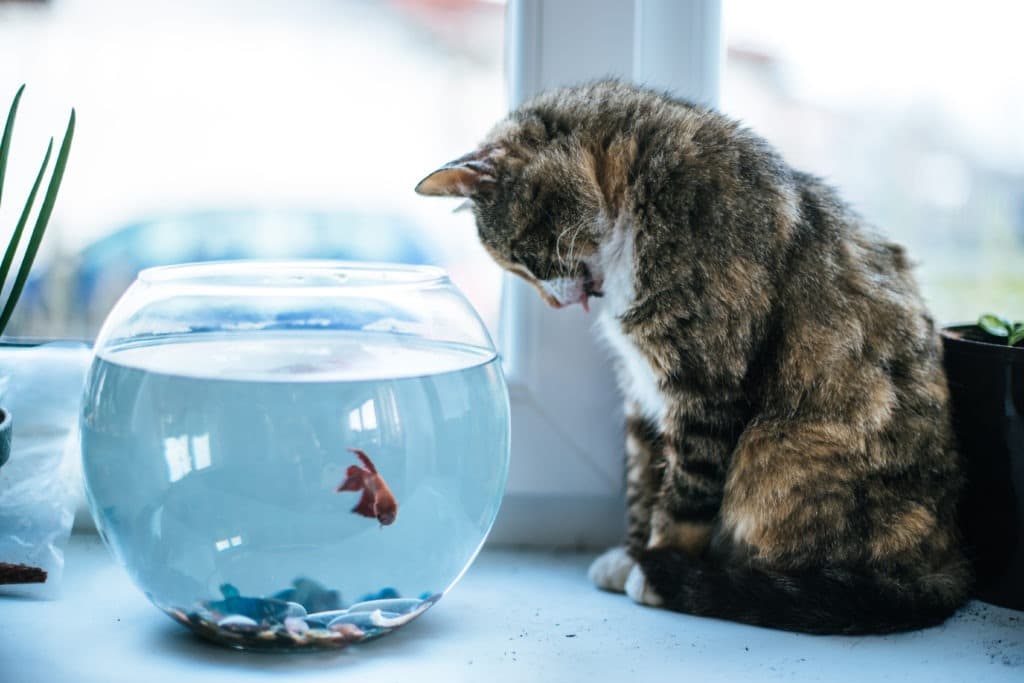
[[365, 458], [355, 479], [365, 505]]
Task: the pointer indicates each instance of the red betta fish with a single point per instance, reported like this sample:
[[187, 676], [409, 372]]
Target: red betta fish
[[377, 499]]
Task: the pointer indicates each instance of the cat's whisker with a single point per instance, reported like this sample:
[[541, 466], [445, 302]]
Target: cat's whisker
[[558, 251], [567, 264]]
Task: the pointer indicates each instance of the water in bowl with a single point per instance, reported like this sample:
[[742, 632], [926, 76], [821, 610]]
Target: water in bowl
[[212, 464]]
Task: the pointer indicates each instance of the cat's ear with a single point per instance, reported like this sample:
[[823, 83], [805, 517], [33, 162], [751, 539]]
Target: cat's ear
[[467, 176]]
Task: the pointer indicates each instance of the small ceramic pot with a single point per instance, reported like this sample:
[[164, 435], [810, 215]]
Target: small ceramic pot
[[986, 383]]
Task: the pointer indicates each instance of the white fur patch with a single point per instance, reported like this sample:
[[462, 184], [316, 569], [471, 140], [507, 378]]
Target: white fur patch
[[565, 290], [609, 571], [637, 379], [743, 530], [639, 589]]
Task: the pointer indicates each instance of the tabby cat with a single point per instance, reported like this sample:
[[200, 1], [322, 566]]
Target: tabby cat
[[790, 460]]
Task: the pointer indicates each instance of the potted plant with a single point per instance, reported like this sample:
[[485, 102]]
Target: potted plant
[[42, 220], [23, 498], [985, 370]]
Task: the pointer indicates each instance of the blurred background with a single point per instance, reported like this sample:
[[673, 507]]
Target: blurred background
[[914, 110], [211, 130]]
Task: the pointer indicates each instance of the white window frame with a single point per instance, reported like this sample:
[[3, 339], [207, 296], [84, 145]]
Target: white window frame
[[565, 481]]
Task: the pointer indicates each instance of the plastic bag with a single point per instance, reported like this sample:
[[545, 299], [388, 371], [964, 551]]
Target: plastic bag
[[41, 387]]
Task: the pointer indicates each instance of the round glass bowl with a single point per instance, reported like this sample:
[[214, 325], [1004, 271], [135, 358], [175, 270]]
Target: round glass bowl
[[294, 455]]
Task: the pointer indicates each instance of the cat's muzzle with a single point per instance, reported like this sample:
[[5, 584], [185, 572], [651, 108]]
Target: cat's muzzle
[[564, 291]]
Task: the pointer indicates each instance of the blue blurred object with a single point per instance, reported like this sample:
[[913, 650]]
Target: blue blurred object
[[105, 268], [222, 235], [311, 595], [386, 593]]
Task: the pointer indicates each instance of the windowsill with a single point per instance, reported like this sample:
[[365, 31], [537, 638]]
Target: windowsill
[[517, 615]]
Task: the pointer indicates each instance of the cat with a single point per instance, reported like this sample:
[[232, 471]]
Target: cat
[[789, 455]]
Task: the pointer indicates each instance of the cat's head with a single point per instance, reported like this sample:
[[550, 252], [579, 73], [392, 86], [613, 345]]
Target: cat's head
[[540, 209]]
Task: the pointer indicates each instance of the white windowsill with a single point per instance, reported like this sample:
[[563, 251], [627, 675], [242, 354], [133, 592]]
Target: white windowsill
[[510, 619]]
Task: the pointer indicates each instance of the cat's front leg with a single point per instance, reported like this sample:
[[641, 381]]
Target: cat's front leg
[[644, 445], [684, 514], [689, 498]]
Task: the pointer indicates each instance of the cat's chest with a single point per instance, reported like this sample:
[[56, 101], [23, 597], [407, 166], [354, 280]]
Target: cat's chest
[[636, 377]]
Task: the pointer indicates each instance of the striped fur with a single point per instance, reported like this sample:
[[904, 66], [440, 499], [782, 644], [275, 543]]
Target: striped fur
[[790, 460]]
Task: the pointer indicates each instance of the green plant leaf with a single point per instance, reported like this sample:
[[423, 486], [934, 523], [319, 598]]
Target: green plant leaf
[[5, 141], [994, 325], [12, 247], [41, 222], [1017, 336]]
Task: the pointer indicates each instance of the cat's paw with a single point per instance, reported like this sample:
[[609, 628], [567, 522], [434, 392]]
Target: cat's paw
[[640, 589], [609, 571]]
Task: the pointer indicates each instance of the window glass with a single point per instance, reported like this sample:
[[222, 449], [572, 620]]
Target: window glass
[[913, 110], [263, 129]]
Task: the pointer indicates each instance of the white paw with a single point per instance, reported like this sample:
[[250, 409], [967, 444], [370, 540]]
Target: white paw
[[609, 571], [638, 588]]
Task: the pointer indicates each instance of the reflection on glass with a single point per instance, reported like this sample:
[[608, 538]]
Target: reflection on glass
[[226, 543], [183, 454], [363, 418]]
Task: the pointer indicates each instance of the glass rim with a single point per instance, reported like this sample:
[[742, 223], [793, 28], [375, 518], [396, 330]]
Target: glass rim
[[293, 274]]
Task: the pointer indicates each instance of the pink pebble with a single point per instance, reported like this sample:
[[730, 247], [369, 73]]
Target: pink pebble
[[348, 630], [296, 625]]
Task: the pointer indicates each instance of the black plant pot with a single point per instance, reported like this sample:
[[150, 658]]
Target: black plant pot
[[986, 383], [5, 436]]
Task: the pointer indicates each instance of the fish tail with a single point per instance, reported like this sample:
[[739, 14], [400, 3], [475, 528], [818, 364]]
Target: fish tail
[[365, 458]]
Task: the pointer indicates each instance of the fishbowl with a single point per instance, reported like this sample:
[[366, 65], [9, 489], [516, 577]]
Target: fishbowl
[[294, 455]]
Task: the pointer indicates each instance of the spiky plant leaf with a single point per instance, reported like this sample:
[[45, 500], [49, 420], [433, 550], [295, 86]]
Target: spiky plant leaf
[[5, 141], [42, 220], [12, 247], [1017, 336]]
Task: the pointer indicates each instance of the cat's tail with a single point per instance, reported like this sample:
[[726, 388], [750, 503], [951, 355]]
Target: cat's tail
[[824, 601]]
